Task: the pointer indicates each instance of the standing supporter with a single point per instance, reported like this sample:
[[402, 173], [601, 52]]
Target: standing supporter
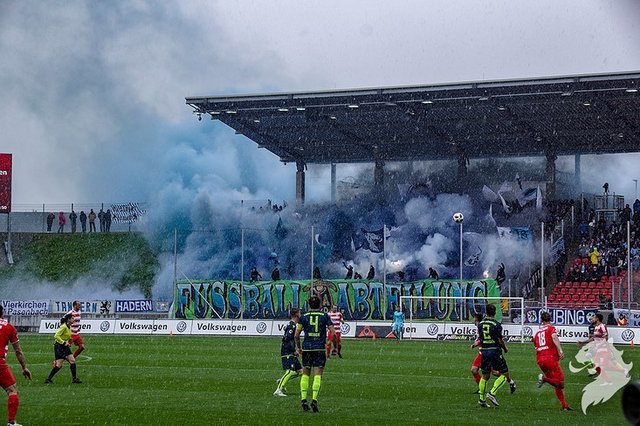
[[8, 334], [73, 219], [101, 219], [92, 221], [107, 221], [62, 220], [83, 221], [548, 356], [594, 256], [76, 338], [50, 218]]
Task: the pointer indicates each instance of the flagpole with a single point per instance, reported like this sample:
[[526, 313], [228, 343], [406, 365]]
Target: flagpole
[[384, 269], [312, 246], [241, 272], [542, 265], [629, 269]]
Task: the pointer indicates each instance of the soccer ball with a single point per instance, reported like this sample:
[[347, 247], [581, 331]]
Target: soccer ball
[[458, 217]]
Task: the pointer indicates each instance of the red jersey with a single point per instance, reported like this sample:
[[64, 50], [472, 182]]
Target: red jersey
[[8, 334], [543, 341], [336, 319], [75, 327], [600, 332]]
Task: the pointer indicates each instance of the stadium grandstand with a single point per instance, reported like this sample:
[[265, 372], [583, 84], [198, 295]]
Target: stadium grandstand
[[544, 117]]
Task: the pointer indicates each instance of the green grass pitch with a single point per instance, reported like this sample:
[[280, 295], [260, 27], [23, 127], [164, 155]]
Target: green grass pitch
[[167, 380]]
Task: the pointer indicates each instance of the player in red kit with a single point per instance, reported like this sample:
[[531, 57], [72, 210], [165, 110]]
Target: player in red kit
[[75, 328], [337, 320], [548, 356], [8, 334]]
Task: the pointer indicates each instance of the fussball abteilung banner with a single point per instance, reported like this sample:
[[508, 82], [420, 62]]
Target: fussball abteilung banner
[[357, 300]]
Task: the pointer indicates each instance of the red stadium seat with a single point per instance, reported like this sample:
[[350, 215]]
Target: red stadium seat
[[584, 285]]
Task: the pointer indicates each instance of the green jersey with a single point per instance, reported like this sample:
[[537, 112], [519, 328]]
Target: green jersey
[[314, 324], [490, 334]]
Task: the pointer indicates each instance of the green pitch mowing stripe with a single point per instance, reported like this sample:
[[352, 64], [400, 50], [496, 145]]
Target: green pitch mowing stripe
[[163, 380]]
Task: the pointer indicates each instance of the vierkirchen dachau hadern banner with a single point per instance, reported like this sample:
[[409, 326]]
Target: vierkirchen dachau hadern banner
[[358, 300]]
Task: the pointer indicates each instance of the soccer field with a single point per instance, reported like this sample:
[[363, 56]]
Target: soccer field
[[167, 380]]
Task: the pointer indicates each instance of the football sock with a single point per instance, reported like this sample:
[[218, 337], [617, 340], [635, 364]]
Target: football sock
[[317, 382], [500, 381], [482, 387], [329, 349], [476, 377], [53, 372], [560, 395], [304, 386], [12, 406], [73, 370], [289, 374], [77, 352]]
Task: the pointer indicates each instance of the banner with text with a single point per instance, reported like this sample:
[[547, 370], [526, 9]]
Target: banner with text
[[25, 307], [101, 307], [631, 316], [560, 316], [359, 329], [5, 183], [134, 306], [86, 326], [369, 300]]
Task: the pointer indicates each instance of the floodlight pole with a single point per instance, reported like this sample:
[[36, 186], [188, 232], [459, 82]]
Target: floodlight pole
[[312, 247], [175, 257], [241, 272], [384, 269], [460, 252]]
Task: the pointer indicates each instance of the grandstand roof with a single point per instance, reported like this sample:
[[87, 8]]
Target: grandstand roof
[[582, 114]]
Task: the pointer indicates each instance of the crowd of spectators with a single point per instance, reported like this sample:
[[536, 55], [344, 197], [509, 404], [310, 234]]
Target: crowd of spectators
[[104, 219], [602, 247]]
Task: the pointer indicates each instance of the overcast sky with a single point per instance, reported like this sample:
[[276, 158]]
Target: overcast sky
[[93, 92]]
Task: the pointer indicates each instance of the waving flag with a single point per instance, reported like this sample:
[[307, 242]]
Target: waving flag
[[373, 240]]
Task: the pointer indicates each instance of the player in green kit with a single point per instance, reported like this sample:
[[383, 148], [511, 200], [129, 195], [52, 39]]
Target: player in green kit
[[492, 345], [398, 323], [314, 324]]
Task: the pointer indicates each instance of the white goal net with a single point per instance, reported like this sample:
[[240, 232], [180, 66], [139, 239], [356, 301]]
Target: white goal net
[[452, 317]]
